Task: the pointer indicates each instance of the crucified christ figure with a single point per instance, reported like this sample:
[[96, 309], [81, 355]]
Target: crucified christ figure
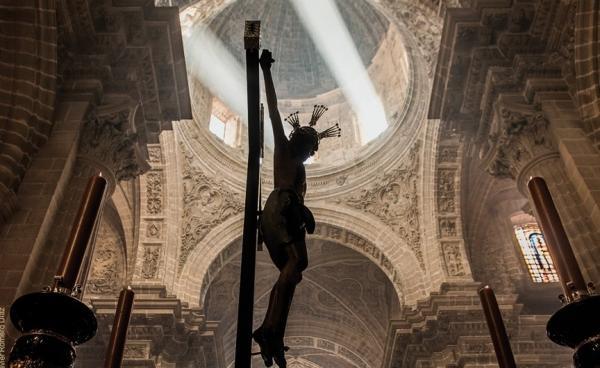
[[285, 220]]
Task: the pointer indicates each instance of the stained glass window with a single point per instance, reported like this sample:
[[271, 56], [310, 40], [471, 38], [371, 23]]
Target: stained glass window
[[534, 249]]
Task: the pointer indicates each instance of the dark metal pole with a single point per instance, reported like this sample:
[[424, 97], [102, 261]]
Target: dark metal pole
[[243, 346], [495, 324], [118, 334], [558, 243], [81, 232]]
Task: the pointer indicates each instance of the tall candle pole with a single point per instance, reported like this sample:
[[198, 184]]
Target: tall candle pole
[[81, 232], [495, 324], [558, 243], [54, 321], [118, 335], [577, 323]]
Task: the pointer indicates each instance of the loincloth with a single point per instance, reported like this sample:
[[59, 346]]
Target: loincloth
[[285, 219]]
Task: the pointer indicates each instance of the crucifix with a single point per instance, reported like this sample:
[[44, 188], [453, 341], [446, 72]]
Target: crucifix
[[285, 219]]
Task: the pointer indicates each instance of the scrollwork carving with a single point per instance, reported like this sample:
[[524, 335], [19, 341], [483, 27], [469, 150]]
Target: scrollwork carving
[[107, 264], [154, 195], [521, 138], [106, 138], [393, 198], [206, 203]]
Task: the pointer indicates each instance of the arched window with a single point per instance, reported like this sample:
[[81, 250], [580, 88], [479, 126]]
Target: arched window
[[535, 252], [224, 124]]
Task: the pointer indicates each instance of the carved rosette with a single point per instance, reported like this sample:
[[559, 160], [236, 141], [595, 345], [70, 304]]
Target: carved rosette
[[393, 199], [521, 138], [106, 139], [206, 204]]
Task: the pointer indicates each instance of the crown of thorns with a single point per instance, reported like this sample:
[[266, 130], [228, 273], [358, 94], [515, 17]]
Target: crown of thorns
[[318, 111]]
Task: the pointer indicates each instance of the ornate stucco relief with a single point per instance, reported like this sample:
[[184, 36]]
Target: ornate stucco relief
[[448, 175], [106, 138], [206, 203], [154, 195], [150, 261], [107, 263], [453, 258], [393, 199]]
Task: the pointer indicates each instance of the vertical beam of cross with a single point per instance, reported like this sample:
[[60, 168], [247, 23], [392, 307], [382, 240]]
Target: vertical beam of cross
[[243, 347]]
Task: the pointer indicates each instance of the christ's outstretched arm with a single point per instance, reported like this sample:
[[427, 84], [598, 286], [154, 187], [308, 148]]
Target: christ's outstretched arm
[[266, 60]]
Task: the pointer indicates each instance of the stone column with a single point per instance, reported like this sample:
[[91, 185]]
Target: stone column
[[521, 147]]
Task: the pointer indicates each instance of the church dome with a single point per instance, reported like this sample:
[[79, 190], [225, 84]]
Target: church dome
[[300, 71]]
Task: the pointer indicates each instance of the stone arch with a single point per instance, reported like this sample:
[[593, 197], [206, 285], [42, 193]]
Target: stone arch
[[351, 229], [321, 345]]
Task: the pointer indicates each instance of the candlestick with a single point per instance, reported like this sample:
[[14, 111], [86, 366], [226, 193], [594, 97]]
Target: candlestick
[[559, 246], [80, 233], [495, 324], [118, 336], [54, 321], [576, 324]]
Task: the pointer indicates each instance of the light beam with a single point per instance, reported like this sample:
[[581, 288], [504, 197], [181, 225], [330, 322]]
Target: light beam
[[327, 29], [209, 60]]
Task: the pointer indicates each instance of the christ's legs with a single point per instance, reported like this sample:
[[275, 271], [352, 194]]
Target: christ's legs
[[283, 292]]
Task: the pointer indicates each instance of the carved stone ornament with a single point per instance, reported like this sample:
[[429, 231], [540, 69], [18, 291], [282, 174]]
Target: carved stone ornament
[[107, 264], [446, 187], [154, 154], [447, 227], [150, 262], [154, 194], [521, 138], [206, 204], [154, 230], [453, 259], [135, 352], [393, 198], [106, 139], [424, 25], [448, 154]]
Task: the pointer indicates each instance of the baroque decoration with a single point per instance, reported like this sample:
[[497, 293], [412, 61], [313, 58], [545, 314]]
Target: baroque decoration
[[206, 204], [453, 259], [521, 138], [393, 198], [107, 263], [150, 262], [106, 139], [154, 198]]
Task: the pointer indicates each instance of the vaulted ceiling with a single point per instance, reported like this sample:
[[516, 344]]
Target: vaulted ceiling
[[340, 313]]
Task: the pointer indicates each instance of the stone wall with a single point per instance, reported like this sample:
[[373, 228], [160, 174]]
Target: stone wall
[[28, 76]]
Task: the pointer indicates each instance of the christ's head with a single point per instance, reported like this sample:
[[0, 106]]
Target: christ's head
[[304, 142]]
